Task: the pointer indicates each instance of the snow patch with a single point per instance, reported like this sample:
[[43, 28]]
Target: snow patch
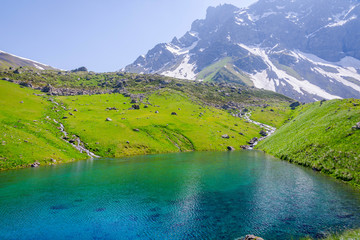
[[298, 85], [184, 71], [26, 59], [341, 22]]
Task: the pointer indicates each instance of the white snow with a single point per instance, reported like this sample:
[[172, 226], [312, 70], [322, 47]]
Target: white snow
[[38, 67], [341, 22], [184, 71], [343, 68], [300, 86], [26, 59], [262, 81]]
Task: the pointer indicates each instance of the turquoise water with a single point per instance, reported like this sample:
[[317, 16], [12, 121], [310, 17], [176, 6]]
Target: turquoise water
[[174, 196]]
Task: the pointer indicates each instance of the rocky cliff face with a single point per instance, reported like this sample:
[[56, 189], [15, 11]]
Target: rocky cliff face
[[307, 50]]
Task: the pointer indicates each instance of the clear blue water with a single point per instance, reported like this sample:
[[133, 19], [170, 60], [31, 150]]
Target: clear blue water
[[174, 196]]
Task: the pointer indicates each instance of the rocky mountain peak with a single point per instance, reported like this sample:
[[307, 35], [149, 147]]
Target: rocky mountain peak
[[308, 50]]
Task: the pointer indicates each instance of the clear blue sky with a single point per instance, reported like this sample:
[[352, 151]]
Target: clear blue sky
[[103, 35]]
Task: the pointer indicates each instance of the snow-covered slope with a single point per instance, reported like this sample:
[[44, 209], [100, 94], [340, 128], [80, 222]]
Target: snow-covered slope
[[308, 50], [9, 60]]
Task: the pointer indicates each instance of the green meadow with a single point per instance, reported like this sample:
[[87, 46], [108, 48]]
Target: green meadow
[[26, 134], [152, 128]]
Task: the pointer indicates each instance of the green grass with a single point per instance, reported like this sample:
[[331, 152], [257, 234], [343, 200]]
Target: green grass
[[195, 127], [275, 115], [208, 73], [26, 135], [321, 136], [347, 235]]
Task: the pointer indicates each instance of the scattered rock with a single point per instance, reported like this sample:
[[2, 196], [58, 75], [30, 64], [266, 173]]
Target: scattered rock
[[127, 142], [156, 111], [133, 101], [108, 120], [225, 136], [64, 117], [75, 110], [241, 133], [230, 148], [21, 101], [70, 113], [245, 147], [111, 108], [173, 113], [53, 160], [136, 130], [146, 106]]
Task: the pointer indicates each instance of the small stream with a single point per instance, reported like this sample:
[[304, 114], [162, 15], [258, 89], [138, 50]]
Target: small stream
[[77, 144], [268, 129]]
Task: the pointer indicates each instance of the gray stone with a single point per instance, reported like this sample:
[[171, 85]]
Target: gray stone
[[225, 136], [108, 120], [230, 148]]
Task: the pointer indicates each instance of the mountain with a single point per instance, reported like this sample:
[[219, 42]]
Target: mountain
[[307, 50], [8, 60]]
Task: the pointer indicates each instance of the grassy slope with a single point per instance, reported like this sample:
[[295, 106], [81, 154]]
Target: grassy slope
[[26, 135], [321, 137], [348, 235], [159, 132], [211, 70]]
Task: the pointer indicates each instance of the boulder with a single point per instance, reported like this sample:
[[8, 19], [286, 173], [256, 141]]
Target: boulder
[[136, 107], [173, 113], [35, 164], [357, 126], [156, 111], [230, 148], [25, 84], [225, 136], [136, 130], [47, 89], [245, 147], [263, 133], [108, 120], [254, 140]]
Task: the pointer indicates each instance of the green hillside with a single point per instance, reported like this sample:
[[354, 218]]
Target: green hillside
[[321, 135], [26, 134], [171, 115], [152, 128]]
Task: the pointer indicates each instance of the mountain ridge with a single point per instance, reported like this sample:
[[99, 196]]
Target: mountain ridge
[[270, 46], [8, 60]]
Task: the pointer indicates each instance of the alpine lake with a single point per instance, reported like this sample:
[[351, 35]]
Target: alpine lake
[[196, 195]]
